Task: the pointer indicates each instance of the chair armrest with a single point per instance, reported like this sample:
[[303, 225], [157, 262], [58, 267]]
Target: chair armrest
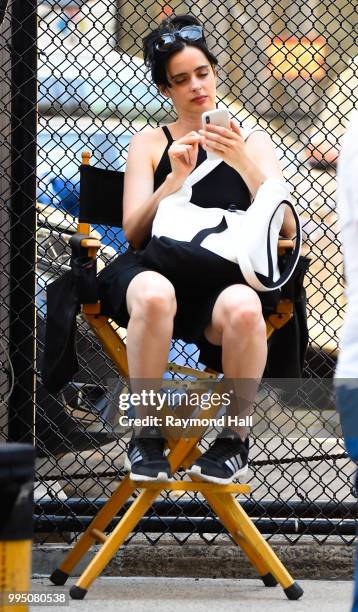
[[83, 244], [285, 243], [90, 243]]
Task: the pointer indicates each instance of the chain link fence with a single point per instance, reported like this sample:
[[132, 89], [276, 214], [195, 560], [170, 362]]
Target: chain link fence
[[289, 66]]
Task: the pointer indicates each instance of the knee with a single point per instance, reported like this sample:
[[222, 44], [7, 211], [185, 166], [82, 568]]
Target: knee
[[156, 305], [246, 318], [157, 301]]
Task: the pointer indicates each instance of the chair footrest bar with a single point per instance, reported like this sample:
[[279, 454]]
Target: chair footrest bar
[[99, 535], [193, 486], [200, 374]]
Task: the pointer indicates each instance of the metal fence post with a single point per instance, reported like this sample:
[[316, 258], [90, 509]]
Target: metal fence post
[[5, 174], [23, 217]]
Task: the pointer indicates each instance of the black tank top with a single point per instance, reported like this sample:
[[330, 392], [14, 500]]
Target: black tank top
[[222, 187]]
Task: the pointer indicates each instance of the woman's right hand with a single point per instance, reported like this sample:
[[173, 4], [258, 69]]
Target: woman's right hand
[[183, 155]]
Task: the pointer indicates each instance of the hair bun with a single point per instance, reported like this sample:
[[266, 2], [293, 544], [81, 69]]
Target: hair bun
[[157, 61], [148, 47], [179, 21]]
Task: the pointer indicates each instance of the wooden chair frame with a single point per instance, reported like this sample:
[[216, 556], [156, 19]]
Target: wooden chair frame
[[221, 498]]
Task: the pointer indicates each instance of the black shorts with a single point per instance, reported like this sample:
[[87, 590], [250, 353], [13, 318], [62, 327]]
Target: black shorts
[[194, 309]]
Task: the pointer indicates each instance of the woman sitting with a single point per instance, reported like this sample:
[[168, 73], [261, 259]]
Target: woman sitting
[[227, 324]]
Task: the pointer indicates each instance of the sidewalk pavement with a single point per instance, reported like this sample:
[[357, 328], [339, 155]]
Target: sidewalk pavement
[[163, 594]]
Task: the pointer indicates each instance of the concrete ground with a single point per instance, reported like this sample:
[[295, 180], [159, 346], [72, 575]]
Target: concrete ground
[[200, 595]]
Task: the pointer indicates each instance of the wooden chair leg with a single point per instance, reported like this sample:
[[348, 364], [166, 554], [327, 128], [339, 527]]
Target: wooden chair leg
[[242, 529], [261, 553], [112, 543], [88, 538], [225, 508], [179, 451], [220, 509]]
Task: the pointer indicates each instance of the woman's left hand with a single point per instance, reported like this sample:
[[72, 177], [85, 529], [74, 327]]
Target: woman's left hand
[[226, 143]]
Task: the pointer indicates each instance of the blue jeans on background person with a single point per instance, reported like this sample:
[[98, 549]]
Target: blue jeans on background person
[[347, 406]]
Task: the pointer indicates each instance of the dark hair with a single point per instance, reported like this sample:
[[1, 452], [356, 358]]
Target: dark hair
[[157, 60]]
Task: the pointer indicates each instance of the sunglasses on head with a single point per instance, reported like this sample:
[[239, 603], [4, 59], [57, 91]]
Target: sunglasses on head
[[192, 32]]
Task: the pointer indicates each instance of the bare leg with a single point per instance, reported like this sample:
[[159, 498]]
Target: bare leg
[[238, 325], [151, 305]]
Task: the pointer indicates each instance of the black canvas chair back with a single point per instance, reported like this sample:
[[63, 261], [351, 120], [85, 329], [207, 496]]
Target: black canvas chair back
[[101, 196]]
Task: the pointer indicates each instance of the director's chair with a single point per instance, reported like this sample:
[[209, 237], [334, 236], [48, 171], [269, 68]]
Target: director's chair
[[101, 194]]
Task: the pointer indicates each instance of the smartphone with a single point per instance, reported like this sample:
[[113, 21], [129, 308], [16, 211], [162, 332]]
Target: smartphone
[[219, 116]]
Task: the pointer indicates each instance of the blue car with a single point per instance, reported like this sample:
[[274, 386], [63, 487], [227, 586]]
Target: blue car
[[112, 84]]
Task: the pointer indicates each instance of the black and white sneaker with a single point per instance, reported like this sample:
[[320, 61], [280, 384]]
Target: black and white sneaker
[[146, 459], [225, 460]]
